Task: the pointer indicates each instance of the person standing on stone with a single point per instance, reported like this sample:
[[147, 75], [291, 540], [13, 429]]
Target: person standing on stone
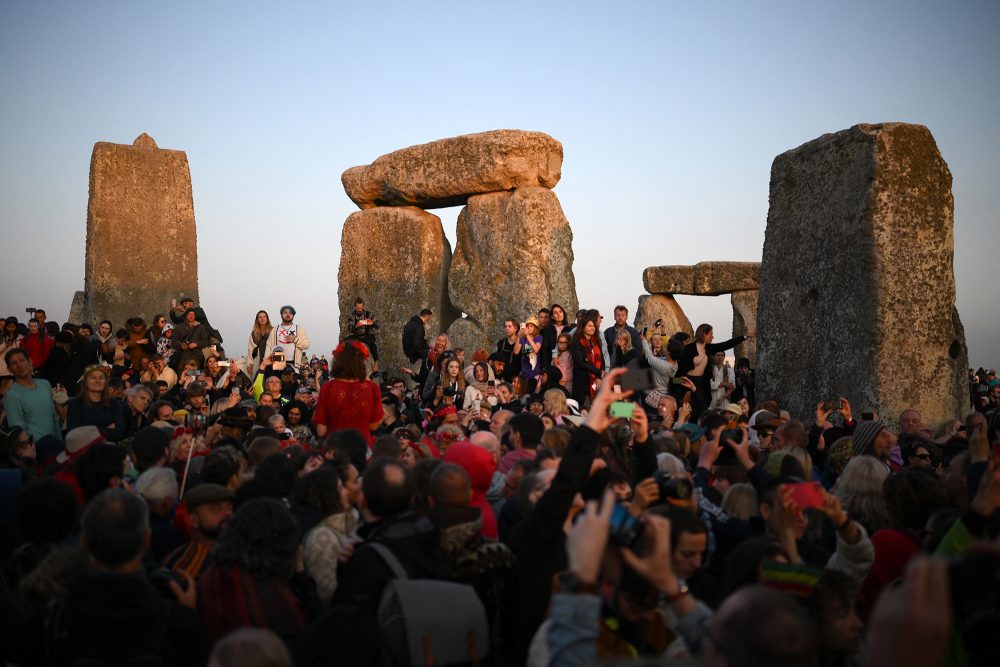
[[509, 348], [722, 382], [529, 347], [361, 326], [290, 336], [621, 324], [9, 340], [415, 345], [189, 340], [588, 361], [257, 345], [38, 344], [557, 316], [693, 363], [178, 309]]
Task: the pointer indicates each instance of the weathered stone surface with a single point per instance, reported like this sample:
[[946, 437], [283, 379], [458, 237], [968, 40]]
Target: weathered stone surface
[[77, 309], [745, 322], [857, 291], [448, 171], [653, 307], [141, 239], [396, 259], [702, 279], [513, 255]]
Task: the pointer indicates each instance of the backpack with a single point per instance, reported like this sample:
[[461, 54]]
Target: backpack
[[427, 622]]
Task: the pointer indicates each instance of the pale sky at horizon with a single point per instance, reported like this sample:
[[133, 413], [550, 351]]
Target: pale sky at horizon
[[669, 113]]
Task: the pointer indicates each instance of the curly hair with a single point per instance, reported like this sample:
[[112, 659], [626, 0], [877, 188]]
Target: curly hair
[[348, 364], [261, 539]]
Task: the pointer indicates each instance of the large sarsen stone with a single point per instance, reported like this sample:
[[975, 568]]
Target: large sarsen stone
[[513, 255], [446, 172], [141, 241], [857, 290], [396, 259]]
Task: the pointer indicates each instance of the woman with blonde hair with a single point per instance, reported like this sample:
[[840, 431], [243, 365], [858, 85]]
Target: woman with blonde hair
[[859, 489], [740, 501], [257, 345]]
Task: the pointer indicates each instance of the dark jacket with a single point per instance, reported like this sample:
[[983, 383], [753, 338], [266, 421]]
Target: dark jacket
[[539, 545], [415, 345], [412, 538], [118, 617], [581, 368]]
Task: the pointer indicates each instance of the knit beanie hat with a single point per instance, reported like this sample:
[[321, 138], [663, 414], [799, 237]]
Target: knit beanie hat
[[864, 434]]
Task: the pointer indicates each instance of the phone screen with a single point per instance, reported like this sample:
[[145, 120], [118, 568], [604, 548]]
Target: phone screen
[[622, 409]]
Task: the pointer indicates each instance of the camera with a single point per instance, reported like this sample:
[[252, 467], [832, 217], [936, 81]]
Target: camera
[[674, 490], [30, 311], [625, 529]]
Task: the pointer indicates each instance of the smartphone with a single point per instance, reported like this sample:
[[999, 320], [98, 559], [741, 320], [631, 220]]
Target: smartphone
[[807, 494], [235, 390], [637, 379], [622, 409], [677, 380]]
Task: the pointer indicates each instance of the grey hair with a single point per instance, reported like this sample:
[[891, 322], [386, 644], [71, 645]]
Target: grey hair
[[131, 392], [669, 463], [157, 484]]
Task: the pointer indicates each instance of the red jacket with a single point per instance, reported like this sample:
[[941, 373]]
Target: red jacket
[[38, 348]]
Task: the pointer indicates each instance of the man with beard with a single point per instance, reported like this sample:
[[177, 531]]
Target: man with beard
[[209, 507]]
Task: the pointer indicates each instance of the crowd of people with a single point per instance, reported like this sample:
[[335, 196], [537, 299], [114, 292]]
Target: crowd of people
[[576, 494]]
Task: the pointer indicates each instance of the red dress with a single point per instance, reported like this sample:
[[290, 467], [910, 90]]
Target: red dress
[[349, 404]]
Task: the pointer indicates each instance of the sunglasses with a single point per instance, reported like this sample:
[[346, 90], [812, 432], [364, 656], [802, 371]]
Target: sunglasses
[[923, 457]]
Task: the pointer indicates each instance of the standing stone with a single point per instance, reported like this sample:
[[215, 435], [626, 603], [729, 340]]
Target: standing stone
[[663, 307], [446, 172], [857, 290], [396, 259], [744, 322], [513, 255], [141, 239]]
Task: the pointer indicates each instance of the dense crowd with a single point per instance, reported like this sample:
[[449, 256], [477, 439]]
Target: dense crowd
[[575, 494]]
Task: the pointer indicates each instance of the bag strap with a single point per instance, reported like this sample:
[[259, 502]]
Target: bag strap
[[390, 559]]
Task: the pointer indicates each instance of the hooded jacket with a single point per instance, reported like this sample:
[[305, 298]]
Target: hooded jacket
[[479, 464]]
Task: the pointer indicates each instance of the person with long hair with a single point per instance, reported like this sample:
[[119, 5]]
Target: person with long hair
[[9, 339], [93, 406], [105, 336], [557, 316], [348, 399], [588, 360], [156, 329], [17, 451], [694, 364], [257, 345]]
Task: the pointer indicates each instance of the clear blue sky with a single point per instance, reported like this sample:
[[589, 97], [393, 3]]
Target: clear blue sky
[[670, 114]]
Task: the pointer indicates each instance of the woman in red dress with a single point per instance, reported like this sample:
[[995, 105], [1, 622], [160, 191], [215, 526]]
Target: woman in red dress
[[348, 400]]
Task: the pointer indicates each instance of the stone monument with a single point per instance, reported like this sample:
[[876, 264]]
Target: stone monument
[[857, 289], [141, 239], [513, 252], [740, 280]]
